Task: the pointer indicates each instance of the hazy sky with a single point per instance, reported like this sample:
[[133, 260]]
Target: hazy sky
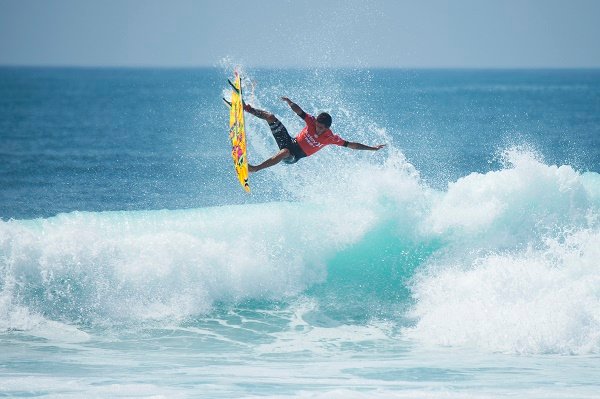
[[363, 33]]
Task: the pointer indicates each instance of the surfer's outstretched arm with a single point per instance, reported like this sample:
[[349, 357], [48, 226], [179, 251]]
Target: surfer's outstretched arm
[[359, 146], [274, 160], [295, 107]]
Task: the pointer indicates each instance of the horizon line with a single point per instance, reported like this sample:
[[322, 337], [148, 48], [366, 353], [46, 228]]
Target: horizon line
[[273, 67]]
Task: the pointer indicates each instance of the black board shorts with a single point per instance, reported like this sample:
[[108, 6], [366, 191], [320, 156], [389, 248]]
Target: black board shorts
[[284, 140]]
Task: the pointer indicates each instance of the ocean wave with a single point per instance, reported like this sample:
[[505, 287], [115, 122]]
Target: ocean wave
[[504, 260]]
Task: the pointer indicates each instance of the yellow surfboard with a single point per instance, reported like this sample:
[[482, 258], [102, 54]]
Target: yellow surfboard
[[237, 132]]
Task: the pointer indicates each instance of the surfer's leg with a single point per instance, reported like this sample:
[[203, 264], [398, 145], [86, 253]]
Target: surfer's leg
[[274, 160], [259, 113], [280, 133]]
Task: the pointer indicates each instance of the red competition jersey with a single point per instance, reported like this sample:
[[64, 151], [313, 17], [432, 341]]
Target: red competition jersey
[[310, 142]]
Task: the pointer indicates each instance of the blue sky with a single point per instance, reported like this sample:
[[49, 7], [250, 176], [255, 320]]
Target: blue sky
[[286, 33]]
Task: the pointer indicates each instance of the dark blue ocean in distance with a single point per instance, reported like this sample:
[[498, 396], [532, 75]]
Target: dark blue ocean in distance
[[461, 261], [134, 139]]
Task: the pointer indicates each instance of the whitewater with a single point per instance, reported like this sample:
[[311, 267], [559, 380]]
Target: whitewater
[[347, 275]]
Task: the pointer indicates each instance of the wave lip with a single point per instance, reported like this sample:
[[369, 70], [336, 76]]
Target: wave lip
[[518, 204]]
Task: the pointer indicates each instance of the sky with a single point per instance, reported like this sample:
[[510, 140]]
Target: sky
[[297, 33]]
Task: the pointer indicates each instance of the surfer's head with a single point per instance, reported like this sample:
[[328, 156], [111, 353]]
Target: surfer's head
[[324, 119]]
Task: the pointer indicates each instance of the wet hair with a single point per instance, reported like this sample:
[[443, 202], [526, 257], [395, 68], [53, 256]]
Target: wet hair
[[324, 118]]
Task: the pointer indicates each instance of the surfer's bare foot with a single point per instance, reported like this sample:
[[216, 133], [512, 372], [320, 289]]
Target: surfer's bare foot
[[251, 168]]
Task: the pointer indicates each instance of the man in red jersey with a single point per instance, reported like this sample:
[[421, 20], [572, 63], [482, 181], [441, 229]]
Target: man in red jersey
[[315, 135]]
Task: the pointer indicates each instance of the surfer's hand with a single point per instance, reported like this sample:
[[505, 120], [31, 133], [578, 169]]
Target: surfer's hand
[[359, 146], [248, 107], [287, 100]]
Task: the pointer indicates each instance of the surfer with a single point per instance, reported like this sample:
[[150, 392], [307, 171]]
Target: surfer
[[315, 135]]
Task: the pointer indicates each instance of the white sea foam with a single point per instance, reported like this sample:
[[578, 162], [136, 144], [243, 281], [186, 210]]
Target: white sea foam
[[146, 265], [521, 269]]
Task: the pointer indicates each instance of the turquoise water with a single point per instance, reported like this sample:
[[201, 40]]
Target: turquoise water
[[459, 262]]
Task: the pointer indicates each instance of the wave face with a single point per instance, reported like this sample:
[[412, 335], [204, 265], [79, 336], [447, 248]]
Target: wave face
[[503, 261]]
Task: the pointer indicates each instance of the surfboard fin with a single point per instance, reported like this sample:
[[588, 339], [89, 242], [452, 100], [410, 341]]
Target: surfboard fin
[[228, 103], [234, 88]]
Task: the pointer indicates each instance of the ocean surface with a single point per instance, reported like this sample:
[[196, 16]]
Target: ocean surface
[[461, 261]]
